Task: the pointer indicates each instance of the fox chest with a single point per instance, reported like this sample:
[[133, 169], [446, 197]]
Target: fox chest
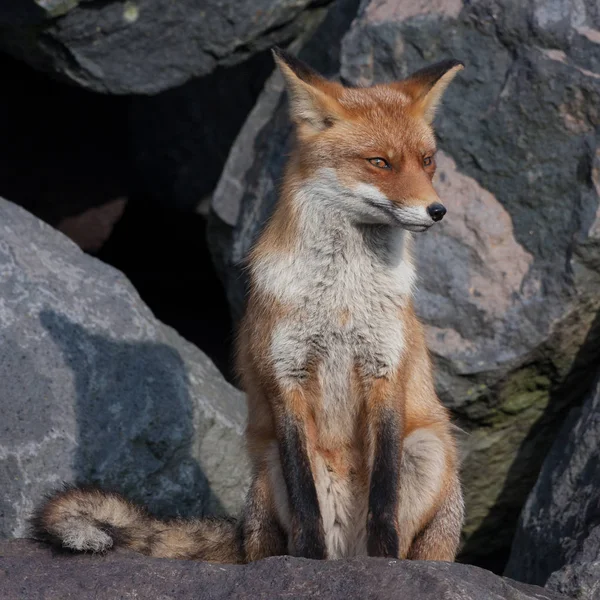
[[344, 301], [340, 330]]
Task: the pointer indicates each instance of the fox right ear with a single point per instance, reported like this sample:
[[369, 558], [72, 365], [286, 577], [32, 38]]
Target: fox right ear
[[313, 102], [427, 86]]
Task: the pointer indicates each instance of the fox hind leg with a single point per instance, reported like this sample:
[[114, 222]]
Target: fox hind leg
[[431, 504], [440, 538], [262, 534]]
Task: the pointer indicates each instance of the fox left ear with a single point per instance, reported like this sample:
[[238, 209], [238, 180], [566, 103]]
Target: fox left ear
[[427, 86], [313, 99]]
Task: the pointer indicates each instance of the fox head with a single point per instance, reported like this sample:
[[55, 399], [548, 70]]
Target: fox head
[[370, 151]]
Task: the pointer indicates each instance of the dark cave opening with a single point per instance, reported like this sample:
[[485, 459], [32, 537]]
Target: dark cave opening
[[126, 176]]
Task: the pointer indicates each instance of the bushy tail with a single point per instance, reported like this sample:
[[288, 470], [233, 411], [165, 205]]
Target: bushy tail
[[90, 519]]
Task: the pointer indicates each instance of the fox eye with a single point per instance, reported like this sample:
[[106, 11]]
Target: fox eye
[[381, 163], [427, 161]]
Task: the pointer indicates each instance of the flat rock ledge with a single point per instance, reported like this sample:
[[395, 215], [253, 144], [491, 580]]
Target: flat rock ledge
[[29, 569]]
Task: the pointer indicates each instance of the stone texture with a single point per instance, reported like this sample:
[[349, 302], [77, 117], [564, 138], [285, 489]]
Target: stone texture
[[27, 568], [580, 578], [145, 47], [95, 389], [558, 539], [510, 279]]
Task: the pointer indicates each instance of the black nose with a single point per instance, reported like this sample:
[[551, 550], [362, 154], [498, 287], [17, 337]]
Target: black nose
[[436, 211]]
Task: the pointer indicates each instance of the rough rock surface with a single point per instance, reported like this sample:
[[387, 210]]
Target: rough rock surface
[[510, 279], [580, 578], [27, 567], [95, 389], [136, 47], [558, 539]]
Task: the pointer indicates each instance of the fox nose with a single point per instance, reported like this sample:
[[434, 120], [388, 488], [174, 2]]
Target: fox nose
[[436, 211]]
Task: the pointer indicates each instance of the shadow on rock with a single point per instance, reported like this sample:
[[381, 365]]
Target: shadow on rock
[[134, 419]]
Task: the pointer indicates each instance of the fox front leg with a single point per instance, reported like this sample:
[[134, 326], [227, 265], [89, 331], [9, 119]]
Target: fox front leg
[[306, 527], [386, 440]]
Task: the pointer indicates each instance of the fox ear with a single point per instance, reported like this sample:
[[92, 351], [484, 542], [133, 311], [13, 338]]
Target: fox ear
[[427, 86], [312, 97]]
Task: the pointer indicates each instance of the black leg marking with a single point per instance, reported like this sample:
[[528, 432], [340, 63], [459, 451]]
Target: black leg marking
[[382, 532], [307, 526]]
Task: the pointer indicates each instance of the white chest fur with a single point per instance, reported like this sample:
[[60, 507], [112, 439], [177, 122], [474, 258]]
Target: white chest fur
[[345, 285]]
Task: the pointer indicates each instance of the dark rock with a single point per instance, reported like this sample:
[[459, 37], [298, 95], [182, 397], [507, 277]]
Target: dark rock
[[27, 568], [580, 578], [90, 229], [510, 279], [179, 139], [95, 389], [146, 47], [558, 540], [124, 184], [163, 253]]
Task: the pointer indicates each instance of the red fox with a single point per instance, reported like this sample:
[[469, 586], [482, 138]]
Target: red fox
[[352, 451]]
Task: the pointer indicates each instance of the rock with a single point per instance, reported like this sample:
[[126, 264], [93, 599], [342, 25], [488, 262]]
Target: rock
[[557, 543], [95, 389], [145, 47], [90, 229], [176, 160], [28, 567], [510, 279], [580, 578], [163, 253], [118, 182]]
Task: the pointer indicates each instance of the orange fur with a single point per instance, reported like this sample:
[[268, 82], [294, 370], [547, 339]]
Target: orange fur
[[340, 128]]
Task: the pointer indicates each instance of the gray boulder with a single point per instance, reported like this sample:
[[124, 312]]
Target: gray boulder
[[557, 543], [136, 47], [95, 389], [510, 279], [29, 567], [580, 577]]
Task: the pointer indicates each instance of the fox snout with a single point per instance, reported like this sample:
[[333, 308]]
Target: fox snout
[[421, 210], [417, 212], [436, 211], [416, 204]]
